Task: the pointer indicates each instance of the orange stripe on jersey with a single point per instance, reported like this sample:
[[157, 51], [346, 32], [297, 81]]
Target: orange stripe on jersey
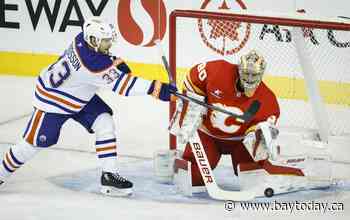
[[124, 84], [187, 87], [30, 138], [57, 98], [9, 161], [106, 148], [194, 87]]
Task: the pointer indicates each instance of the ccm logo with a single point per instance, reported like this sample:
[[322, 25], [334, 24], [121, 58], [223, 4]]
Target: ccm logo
[[202, 163]]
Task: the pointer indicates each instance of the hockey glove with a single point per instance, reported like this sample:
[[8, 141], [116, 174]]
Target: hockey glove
[[120, 64], [161, 90], [187, 118], [260, 142]]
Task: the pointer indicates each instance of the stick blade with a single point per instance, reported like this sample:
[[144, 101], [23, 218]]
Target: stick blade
[[237, 196]]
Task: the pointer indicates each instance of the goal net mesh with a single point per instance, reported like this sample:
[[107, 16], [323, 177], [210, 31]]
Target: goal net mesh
[[198, 36]]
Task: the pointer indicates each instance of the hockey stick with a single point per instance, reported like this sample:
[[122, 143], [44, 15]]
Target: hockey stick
[[208, 177], [344, 17], [247, 115]]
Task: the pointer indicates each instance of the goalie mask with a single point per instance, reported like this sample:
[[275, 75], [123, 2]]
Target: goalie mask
[[251, 70], [99, 34]]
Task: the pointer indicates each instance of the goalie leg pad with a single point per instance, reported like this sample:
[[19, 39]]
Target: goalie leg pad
[[317, 169], [183, 178], [163, 164], [288, 175]]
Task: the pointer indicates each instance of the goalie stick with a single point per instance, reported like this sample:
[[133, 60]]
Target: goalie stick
[[245, 117], [213, 189], [208, 177], [344, 17]]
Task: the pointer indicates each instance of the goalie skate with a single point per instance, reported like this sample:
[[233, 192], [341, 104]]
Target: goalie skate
[[112, 184]]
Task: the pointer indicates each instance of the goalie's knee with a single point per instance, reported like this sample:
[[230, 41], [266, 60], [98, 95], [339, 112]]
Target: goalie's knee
[[289, 175]]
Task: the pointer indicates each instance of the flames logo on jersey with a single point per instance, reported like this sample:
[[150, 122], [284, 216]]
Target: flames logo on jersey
[[224, 122], [225, 37]]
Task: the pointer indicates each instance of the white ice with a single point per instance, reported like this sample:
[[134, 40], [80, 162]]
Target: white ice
[[62, 182]]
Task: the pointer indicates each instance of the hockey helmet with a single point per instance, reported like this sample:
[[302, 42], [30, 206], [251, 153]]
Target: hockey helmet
[[98, 29], [251, 70]]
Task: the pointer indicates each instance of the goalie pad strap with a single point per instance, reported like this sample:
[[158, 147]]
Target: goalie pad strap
[[271, 169], [257, 142], [181, 164]]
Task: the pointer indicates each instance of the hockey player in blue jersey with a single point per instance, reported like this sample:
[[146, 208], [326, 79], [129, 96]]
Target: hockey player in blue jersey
[[67, 90]]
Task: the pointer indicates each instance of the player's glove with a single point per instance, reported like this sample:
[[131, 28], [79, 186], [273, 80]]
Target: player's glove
[[260, 144], [161, 90]]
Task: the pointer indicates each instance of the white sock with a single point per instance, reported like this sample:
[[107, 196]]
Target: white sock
[[16, 156]]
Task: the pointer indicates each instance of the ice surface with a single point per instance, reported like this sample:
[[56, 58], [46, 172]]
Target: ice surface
[[62, 182]]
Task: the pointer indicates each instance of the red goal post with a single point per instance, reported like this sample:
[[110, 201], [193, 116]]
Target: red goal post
[[286, 20]]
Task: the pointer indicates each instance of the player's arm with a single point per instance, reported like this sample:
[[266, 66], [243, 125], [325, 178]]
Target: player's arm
[[194, 86], [121, 80], [188, 116], [196, 80]]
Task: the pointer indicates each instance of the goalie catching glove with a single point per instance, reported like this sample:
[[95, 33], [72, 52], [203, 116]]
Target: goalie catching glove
[[260, 142]]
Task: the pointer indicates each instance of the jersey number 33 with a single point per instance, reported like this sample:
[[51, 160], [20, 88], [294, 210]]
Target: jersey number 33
[[59, 72]]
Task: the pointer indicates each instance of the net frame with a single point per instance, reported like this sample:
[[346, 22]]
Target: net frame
[[293, 20]]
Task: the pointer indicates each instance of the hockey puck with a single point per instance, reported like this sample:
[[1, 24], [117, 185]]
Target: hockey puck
[[268, 192]]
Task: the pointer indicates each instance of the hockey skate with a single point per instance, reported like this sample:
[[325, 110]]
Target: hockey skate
[[112, 184], [2, 181]]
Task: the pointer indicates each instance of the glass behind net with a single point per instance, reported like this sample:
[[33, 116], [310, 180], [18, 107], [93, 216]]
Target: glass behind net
[[199, 40]]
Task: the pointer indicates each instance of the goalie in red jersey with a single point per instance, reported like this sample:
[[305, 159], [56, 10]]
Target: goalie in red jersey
[[231, 87]]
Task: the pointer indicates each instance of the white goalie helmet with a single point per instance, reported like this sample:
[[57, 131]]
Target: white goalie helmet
[[251, 69], [99, 29]]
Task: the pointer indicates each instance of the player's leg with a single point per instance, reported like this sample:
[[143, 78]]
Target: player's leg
[[43, 130], [16, 157], [269, 177], [97, 118], [239, 154]]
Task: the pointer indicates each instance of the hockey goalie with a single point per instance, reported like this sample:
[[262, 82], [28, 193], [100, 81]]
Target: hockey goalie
[[253, 145]]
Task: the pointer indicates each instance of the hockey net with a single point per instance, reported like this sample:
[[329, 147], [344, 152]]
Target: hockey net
[[307, 61]]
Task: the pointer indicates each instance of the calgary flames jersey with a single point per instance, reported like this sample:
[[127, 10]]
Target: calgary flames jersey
[[217, 80]]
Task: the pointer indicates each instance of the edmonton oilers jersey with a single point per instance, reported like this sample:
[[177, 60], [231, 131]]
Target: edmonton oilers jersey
[[67, 85]]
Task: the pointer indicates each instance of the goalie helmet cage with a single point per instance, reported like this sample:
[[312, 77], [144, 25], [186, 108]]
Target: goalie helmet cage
[[306, 57]]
